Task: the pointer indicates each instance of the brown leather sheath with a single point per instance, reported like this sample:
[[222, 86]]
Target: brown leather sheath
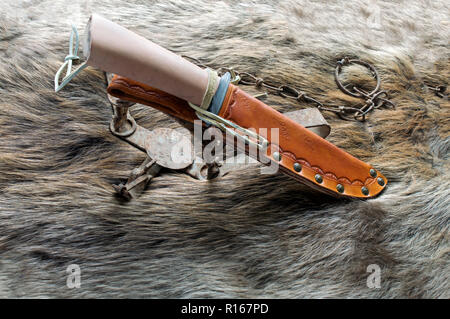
[[302, 154]]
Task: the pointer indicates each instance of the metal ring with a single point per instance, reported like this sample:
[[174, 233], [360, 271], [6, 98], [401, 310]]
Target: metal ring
[[355, 61], [126, 133]]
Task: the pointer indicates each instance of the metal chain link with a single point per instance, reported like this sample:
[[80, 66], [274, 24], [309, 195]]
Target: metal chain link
[[372, 100]]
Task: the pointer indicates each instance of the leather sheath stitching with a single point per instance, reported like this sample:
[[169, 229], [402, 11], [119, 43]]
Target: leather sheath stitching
[[317, 169]]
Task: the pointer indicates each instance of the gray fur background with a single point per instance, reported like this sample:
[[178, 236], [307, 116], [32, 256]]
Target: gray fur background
[[244, 235]]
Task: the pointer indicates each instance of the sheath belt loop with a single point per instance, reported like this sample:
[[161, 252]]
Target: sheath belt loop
[[247, 136]]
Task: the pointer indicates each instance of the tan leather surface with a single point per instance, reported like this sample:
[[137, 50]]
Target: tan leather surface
[[296, 143]]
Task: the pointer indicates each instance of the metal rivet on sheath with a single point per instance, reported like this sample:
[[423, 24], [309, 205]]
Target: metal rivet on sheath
[[340, 188], [297, 167], [373, 172], [365, 190], [276, 156], [318, 178], [380, 181]]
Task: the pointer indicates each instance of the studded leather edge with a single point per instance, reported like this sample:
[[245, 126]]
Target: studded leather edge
[[374, 184]]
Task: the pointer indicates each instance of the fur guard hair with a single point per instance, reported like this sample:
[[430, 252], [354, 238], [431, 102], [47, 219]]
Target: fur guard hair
[[246, 234]]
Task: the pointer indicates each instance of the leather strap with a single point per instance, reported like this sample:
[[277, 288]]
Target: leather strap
[[133, 91], [300, 153]]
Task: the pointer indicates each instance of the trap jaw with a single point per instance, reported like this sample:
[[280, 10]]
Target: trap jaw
[[165, 148]]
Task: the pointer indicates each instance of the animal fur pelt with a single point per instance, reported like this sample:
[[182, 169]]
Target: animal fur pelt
[[246, 234]]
